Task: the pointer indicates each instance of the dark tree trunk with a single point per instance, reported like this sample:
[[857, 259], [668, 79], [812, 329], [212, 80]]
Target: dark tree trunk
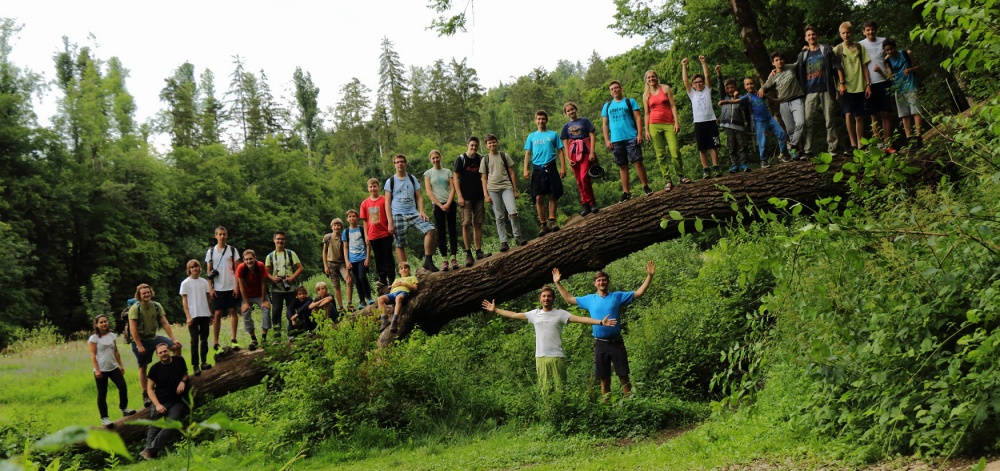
[[753, 43]]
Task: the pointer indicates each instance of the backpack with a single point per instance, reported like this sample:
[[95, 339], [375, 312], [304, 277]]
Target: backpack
[[392, 184], [503, 159], [632, 106], [289, 256], [126, 331]]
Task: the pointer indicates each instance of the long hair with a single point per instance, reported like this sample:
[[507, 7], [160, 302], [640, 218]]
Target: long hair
[[98, 317]]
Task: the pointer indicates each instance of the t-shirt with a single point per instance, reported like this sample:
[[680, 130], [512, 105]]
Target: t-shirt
[[105, 351], [357, 250], [659, 108], [548, 331], [147, 319], [251, 279], [610, 305], [373, 211], [406, 279], [876, 54], [815, 72], [439, 182], [167, 376], [621, 119], [404, 196], [223, 260], [701, 105], [497, 178], [334, 251], [786, 83], [758, 107], [196, 290], [543, 146], [852, 60], [580, 128], [469, 180], [902, 83], [281, 264]]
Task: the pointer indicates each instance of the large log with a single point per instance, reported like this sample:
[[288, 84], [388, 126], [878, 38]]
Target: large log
[[615, 232]]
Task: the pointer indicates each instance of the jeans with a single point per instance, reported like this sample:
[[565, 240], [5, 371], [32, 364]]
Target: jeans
[[157, 438], [118, 378], [199, 340], [793, 114], [503, 206], [279, 301], [760, 127]]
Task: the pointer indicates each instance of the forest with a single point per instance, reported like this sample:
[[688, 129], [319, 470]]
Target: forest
[[858, 327]]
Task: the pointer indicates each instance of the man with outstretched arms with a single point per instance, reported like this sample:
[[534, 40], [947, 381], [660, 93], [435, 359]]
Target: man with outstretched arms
[[609, 347], [221, 260]]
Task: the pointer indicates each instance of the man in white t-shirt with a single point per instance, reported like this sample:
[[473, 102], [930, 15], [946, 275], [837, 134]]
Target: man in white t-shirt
[[221, 261], [550, 361], [879, 103]]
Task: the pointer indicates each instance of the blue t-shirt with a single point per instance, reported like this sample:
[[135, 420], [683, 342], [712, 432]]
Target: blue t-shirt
[[543, 146], [578, 129], [903, 83], [610, 305], [758, 107], [621, 121], [815, 72], [356, 248], [404, 196]]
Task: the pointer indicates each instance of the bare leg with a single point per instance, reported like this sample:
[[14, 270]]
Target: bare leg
[[477, 230], [400, 254], [428, 251], [640, 170], [552, 208], [704, 158], [540, 207], [626, 384], [715, 157], [623, 173], [234, 321], [216, 326]]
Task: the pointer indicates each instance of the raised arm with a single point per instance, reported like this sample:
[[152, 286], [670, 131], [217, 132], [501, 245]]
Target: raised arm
[[704, 71], [491, 306], [650, 270], [684, 74], [556, 278]]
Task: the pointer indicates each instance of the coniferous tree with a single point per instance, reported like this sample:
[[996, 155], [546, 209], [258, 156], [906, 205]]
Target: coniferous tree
[[308, 122], [392, 83], [209, 110], [181, 115]]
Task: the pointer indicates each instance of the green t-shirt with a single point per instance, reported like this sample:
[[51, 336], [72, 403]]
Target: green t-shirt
[[853, 62], [147, 320], [282, 264]]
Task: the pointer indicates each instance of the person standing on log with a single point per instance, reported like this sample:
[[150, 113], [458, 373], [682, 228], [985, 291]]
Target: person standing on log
[[500, 187], [706, 129], [283, 268], [335, 263], [404, 208], [374, 222], [167, 388], [662, 126], [550, 361], [578, 138], [251, 276], [469, 190], [792, 98], [817, 72], [609, 347], [855, 83], [622, 125], [878, 102], [196, 300], [541, 149], [220, 261], [439, 184]]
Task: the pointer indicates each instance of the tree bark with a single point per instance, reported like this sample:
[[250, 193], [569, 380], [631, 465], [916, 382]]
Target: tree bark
[[753, 42]]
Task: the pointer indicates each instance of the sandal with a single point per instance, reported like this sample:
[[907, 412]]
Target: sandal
[[685, 180], [669, 186]]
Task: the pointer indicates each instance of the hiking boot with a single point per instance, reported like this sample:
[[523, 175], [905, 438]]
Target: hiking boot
[[107, 423], [481, 255], [444, 266], [469, 260], [586, 210], [543, 230], [454, 263], [429, 266], [647, 190], [553, 226], [706, 173], [252, 346], [197, 372], [394, 326], [593, 209], [206, 366], [520, 241], [625, 197], [126, 412], [734, 169], [361, 306], [716, 171], [765, 164], [504, 247], [385, 323]]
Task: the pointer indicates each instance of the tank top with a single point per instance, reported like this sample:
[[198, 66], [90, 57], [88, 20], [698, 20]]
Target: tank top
[[659, 108]]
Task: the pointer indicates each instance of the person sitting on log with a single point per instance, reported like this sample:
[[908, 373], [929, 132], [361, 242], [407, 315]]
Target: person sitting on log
[[401, 289], [167, 387]]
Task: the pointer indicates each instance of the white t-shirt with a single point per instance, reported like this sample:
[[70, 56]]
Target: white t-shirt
[[196, 289], [548, 331], [222, 260], [105, 351], [877, 56], [701, 105]]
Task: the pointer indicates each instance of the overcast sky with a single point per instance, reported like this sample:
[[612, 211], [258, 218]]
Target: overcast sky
[[334, 40]]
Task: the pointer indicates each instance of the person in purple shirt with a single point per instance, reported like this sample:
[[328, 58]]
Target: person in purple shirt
[[609, 347]]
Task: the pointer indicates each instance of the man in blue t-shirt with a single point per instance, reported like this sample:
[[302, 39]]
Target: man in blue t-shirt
[[541, 150], [609, 347], [622, 126]]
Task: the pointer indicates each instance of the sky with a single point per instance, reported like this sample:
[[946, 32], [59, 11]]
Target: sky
[[334, 40]]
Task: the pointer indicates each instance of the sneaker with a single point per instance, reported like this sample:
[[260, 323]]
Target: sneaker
[[206, 366], [805, 156], [429, 266], [146, 402], [394, 326], [520, 241], [481, 255], [361, 306], [706, 173], [371, 301], [593, 209], [216, 348], [107, 423], [233, 344], [197, 372], [252, 346], [385, 323], [543, 230], [765, 164], [586, 210], [454, 263], [504, 247], [625, 197], [444, 266], [126, 412], [145, 455], [469, 261], [794, 153], [786, 158], [734, 169], [744, 168], [647, 190]]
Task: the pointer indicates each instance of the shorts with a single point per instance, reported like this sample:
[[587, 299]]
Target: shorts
[[474, 212], [338, 271], [706, 135], [398, 294], [626, 151], [607, 353], [906, 104], [545, 180], [879, 101], [853, 104], [402, 222], [150, 346], [226, 300]]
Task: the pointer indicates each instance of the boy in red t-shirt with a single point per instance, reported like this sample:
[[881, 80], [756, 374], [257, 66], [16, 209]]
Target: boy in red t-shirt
[[376, 228], [251, 275]]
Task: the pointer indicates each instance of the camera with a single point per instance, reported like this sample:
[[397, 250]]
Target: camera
[[284, 284], [212, 274]]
